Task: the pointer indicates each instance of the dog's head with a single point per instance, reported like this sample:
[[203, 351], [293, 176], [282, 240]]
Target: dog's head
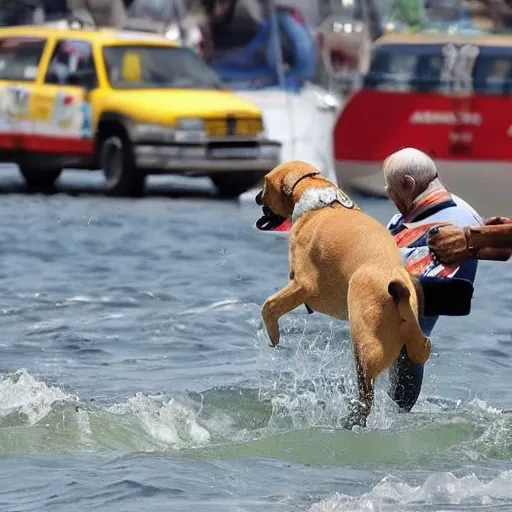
[[277, 196]]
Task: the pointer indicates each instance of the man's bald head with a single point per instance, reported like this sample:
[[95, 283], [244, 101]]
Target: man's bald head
[[408, 173]]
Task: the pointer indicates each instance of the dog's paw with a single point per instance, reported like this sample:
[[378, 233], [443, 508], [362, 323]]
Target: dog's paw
[[266, 335], [272, 337], [352, 423], [272, 343], [356, 417]]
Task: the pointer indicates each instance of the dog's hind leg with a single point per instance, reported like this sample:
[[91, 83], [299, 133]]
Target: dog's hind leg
[[369, 329], [282, 302], [366, 361], [360, 408]]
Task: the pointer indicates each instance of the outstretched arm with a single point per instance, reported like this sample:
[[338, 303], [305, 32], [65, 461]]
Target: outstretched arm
[[490, 242]]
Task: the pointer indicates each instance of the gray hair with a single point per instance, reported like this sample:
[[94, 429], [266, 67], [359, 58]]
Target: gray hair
[[409, 162]]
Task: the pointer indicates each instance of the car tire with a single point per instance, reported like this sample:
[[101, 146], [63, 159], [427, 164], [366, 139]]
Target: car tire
[[232, 184], [118, 164], [39, 179]]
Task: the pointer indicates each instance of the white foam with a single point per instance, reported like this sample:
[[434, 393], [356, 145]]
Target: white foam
[[81, 298], [23, 394], [226, 304], [311, 363], [168, 422], [438, 489], [86, 299]]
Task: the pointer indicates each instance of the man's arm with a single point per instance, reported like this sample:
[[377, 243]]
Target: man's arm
[[490, 242]]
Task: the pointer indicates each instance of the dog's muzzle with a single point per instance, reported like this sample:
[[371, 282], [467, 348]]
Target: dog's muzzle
[[269, 220]]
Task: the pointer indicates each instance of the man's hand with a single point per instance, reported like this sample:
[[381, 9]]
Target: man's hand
[[449, 245], [495, 221]]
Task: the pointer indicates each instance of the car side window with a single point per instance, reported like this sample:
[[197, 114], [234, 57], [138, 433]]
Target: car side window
[[19, 58], [72, 63]]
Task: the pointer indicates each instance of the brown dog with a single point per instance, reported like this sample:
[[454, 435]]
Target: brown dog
[[345, 264]]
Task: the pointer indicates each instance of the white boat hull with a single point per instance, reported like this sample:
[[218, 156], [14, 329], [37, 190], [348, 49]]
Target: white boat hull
[[487, 186], [303, 122]]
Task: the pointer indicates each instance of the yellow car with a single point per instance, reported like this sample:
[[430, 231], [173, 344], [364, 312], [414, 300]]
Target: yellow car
[[129, 103]]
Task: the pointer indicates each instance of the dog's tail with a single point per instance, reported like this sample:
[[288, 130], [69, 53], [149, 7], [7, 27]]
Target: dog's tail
[[418, 346], [401, 295]]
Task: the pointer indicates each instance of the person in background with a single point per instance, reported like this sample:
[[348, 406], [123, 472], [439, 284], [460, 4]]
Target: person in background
[[300, 54], [229, 25], [453, 245], [239, 44], [413, 184]]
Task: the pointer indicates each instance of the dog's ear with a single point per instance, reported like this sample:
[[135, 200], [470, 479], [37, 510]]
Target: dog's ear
[[292, 178], [292, 174], [289, 181]]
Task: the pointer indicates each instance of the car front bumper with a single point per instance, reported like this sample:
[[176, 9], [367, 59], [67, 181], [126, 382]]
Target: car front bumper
[[208, 158]]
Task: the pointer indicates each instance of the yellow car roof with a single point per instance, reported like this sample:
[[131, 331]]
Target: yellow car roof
[[101, 36]]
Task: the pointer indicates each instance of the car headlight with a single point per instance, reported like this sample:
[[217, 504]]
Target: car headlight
[[152, 132], [190, 129]]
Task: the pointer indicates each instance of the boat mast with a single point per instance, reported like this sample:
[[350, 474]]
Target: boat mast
[[276, 38], [371, 17]]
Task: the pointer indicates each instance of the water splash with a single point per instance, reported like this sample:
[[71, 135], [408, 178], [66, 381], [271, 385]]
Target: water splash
[[31, 400], [313, 379], [168, 422], [292, 419], [439, 489]]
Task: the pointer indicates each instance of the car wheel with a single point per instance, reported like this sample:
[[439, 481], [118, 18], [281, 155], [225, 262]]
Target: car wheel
[[118, 164], [232, 184], [39, 179]]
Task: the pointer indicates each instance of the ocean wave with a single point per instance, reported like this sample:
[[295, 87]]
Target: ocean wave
[[295, 424], [439, 490]]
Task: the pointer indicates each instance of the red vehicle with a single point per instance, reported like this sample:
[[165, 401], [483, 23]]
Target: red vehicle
[[446, 95]]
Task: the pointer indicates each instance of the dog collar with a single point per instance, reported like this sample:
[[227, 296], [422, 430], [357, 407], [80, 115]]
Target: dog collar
[[316, 198]]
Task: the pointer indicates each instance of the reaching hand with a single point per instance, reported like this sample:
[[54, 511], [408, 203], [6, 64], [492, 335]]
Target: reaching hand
[[495, 221], [449, 245]]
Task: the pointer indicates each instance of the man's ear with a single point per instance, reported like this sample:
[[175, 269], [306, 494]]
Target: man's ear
[[409, 183]]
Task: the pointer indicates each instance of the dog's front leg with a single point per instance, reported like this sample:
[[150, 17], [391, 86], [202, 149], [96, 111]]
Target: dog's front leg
[[282, 302]]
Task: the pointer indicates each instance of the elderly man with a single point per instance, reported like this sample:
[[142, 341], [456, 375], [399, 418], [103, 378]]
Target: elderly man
[[412, 183], [453, 245]]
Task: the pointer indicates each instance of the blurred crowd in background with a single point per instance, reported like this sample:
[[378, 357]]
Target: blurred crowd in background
[[495, 13], [236, 37]]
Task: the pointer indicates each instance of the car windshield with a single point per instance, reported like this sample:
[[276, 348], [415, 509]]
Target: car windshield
[[157, 67], [424, 67], [19, 57]]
